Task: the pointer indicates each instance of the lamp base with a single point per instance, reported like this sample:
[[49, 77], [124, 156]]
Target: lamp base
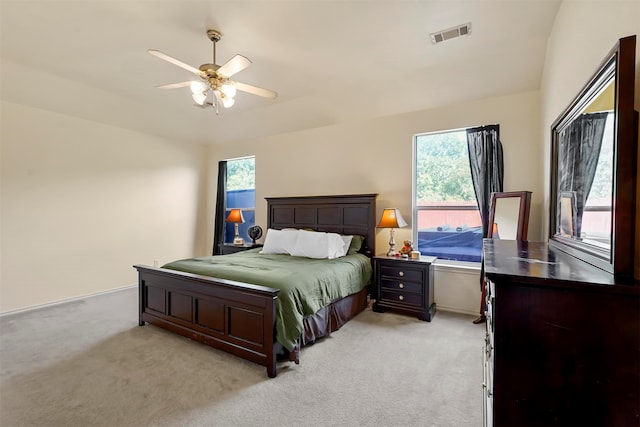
[[392, 244], [237, 240]]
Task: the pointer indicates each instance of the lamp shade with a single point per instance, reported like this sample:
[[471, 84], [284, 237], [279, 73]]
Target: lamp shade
[[235, 216], [391, 218]]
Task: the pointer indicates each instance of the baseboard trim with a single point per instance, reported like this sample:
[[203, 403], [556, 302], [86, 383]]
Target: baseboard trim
[[62, 301], [456, 310]]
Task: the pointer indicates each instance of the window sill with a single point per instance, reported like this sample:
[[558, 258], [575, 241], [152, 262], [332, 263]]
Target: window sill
[[457, 266]]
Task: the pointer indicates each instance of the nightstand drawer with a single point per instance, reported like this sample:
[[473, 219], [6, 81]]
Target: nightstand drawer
[[404, 298], [401, 285], [403, 273]]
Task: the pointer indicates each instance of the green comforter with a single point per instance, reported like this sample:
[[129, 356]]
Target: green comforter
[[306, 285]]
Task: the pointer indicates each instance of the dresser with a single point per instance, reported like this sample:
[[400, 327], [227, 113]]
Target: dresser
[[404, 285], [562, 344]]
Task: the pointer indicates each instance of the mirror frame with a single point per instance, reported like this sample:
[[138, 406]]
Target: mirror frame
[[618, 260], [524, 204]]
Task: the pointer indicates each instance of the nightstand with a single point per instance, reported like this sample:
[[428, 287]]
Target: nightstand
[[230, 248], [404, 285]]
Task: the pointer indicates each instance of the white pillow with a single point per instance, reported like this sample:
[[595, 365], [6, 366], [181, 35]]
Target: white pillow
[[279, 241], [319, 245], [346, 242], [312, 244]]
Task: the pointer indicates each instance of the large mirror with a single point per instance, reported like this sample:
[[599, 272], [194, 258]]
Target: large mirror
[[593, 167]]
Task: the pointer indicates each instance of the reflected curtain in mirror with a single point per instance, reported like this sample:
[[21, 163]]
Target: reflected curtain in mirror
[[487, 167], [578, 154]]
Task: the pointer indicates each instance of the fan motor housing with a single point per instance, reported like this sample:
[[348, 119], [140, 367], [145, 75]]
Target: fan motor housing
[[214, 35], [209, 69]]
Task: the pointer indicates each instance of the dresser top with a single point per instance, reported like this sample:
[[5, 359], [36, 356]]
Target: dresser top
[[538, 260]]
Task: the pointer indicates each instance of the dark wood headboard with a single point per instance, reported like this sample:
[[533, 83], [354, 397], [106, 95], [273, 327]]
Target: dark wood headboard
[[343, 214]]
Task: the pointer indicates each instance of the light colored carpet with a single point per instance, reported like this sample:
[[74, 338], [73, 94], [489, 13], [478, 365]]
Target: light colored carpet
[[87, 363]]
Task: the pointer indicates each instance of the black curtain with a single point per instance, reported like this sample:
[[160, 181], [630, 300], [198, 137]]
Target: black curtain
[[487, 167], [578, 153], [221, 208]]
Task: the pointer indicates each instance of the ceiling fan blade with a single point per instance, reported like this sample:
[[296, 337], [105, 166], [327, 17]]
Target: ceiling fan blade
[[255, 90], [174, 85], [234, 65], [174, 61]]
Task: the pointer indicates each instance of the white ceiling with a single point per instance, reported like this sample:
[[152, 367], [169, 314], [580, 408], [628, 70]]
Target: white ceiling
[[330, 61]]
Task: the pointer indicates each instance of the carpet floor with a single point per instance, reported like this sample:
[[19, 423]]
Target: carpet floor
[[87, 363]]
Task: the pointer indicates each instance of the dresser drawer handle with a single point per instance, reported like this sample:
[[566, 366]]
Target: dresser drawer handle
[[401, 298], [401, 273], [401, 285]]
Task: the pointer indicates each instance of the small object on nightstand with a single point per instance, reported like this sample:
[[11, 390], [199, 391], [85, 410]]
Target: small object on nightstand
[[406, 249], [255, 233]]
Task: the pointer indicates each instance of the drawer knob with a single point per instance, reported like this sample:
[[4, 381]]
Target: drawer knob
[[401, 273], [401, 285], [401, 298]]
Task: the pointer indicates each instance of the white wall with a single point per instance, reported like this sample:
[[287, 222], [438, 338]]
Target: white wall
[[375, 156], [583, 33], [81, 202]]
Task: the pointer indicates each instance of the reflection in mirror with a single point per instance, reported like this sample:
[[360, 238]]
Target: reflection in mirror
[[593, 164], [509, 215], [505, 220], [585, 169], [568, 216]]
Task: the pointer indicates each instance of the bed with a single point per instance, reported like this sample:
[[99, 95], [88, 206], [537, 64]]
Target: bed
[[241, 318]]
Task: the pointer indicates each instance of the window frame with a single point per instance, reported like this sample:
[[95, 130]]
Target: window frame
[[415, 210]]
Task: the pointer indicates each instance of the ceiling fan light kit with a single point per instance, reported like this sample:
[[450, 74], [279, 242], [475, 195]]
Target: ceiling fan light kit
[[214, 86]]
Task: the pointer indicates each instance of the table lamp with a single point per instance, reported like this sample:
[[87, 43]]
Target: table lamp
[[391, 218], [235, 217]]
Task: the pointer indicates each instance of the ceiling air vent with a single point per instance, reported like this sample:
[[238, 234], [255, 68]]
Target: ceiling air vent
[[451, 33]]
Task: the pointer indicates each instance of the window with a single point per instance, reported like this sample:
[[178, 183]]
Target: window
[[597, 209], [445, 211], [240, 193]]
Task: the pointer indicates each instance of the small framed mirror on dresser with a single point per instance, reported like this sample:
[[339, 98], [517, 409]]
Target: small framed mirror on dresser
[[593, 167]]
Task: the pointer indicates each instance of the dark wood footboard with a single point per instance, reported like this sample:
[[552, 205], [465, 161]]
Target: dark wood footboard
[[238, 318]]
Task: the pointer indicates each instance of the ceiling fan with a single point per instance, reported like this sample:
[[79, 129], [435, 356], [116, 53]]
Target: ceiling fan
[[214, 86]]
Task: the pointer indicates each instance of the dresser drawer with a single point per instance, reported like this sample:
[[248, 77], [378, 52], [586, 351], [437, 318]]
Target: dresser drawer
[[404, 298], [401, 285], [403, 273]]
